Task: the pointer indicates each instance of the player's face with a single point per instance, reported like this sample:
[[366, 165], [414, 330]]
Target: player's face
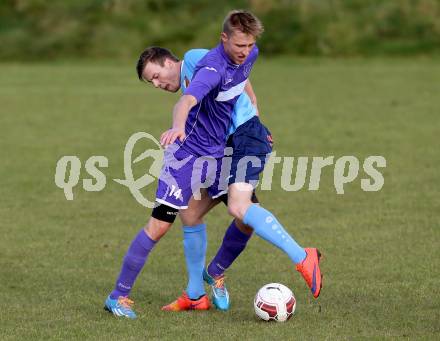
[[163, 77], [238, 45]]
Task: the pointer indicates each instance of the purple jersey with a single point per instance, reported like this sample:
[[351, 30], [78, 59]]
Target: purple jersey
[[217, 83]]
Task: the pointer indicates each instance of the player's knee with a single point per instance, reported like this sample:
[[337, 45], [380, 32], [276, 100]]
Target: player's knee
[[155, 228], [238, 208]]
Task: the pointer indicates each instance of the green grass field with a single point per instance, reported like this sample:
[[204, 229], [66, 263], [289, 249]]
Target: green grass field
[[59, 259]]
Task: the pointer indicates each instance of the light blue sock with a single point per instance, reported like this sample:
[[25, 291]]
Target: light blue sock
[[194, 244], [267, 227]]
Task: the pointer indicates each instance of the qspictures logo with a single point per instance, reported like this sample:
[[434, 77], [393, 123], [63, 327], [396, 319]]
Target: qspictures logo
[[68, 169], [346, 169]]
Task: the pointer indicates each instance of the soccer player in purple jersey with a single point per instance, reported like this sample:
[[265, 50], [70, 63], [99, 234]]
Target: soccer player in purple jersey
[[217, 82]]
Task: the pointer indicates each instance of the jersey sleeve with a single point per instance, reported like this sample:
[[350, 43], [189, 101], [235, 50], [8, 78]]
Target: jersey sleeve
[[190, 60], [206, 79]]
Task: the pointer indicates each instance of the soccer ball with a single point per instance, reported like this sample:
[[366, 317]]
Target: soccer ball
[[275, 302]]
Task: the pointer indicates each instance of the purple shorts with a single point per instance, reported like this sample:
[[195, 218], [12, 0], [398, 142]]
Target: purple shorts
[[183, 175]]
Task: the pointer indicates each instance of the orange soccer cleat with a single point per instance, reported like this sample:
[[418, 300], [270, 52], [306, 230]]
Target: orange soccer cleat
[[309, 269], [185, 303]]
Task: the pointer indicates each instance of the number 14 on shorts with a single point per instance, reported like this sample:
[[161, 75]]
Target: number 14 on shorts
[[175, 192]]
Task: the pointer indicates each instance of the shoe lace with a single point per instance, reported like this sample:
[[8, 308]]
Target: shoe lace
[[125, 302], [220, 284]]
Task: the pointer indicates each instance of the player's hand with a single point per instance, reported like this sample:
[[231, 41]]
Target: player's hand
[[171, 135]]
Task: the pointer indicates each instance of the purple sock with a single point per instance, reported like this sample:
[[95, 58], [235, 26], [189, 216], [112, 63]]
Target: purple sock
[[134, 261], [234, 242]]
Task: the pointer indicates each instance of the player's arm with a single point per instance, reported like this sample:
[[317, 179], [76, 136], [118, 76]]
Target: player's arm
[[250, 92], [180, 114]]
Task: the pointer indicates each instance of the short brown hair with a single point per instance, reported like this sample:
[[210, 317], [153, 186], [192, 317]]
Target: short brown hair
[[242, 21], [154, 54]]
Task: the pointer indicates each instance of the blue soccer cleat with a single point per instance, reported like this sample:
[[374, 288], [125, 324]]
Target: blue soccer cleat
[[220, 296], [120, 307]]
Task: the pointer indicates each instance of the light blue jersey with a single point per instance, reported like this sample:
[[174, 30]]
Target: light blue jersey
[[243, 109]]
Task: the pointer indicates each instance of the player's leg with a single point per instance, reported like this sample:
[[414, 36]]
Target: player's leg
[[173, 193], [137, 254], [269, 228], [194, 244], [134, 260], [261, 220], [233, 243]]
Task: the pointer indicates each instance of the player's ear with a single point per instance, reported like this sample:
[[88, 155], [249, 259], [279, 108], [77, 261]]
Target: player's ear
[[224, 37], [168, 63]]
